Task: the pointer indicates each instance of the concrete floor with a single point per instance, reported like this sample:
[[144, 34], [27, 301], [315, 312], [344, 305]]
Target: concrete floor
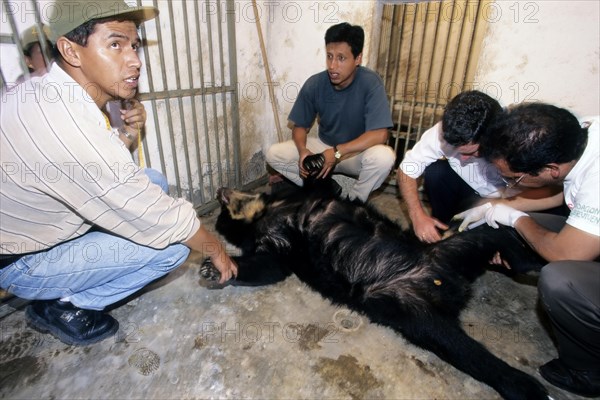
[[179, 339]]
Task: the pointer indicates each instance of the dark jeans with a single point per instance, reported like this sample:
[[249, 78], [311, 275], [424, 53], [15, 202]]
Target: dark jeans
[[447, 192]]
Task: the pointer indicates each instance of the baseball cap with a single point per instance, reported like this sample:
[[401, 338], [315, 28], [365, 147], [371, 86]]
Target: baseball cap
[[31, 35], [66, 15]]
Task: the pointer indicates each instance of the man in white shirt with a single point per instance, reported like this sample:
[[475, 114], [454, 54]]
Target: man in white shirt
[[64, 170], [540, 145], [455, 177]]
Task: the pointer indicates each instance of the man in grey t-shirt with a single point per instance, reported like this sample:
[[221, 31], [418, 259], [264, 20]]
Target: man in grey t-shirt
[[353, 113]]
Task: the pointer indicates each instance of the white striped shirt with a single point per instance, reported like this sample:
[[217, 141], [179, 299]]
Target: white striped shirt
[[62, 171]]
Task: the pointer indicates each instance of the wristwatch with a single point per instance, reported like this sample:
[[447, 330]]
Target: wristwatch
[[337, 153]]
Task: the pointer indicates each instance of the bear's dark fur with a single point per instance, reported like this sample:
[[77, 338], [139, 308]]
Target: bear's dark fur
[[354, 256]]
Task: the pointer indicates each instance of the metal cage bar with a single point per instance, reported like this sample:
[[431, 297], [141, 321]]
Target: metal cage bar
[[427, 54], [202, 135]]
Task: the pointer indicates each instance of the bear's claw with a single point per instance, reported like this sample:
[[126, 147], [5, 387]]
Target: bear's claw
[[209, 272]]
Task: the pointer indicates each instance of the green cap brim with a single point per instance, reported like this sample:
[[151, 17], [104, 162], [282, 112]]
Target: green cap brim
[[62, 23]]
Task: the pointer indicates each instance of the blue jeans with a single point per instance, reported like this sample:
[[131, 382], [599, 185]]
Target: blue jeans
[[157, 178], [92, 271]]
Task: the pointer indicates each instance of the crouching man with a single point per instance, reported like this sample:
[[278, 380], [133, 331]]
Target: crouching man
[[64, 170]]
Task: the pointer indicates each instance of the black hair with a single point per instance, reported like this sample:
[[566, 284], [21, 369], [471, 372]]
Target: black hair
[[354, 35], [534, 135], [468, 116]]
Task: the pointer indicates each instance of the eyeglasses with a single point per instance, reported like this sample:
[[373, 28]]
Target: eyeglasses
[[512, 182]]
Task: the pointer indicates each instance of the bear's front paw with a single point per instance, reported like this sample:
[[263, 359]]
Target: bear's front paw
[[208, 271], [210, 275]]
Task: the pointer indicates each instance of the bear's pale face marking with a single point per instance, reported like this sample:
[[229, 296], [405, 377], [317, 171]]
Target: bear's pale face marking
[[243, 206]]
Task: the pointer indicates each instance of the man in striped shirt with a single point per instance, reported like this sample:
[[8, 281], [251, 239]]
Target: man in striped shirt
[[63, 170]]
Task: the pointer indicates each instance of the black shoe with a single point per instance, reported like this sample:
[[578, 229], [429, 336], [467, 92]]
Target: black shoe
[[583, 383], [70, 324]]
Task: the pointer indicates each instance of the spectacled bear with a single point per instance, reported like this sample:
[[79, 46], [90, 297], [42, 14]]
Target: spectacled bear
[[354, 256]]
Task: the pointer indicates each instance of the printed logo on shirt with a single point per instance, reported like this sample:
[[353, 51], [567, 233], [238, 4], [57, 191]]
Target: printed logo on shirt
[[587, 213]]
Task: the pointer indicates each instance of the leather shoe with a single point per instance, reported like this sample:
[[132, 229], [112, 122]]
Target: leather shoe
[[70, 324], [582, 382]]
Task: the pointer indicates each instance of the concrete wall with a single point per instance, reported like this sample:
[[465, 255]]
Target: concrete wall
[[546, 51]]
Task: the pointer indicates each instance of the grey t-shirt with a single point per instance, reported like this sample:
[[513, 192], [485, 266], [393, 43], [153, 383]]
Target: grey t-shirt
[[345, 114]]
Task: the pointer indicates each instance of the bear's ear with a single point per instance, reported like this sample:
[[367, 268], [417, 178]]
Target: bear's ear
[[223, 195]]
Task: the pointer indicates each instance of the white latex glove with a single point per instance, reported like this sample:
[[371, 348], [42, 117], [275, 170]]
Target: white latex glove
[[472, 217], [502, 214]]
